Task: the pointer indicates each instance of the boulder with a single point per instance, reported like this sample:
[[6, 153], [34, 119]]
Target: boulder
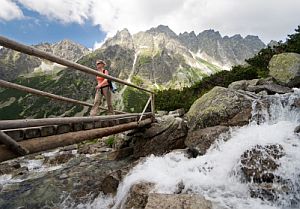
[[271, 88], [242, 84], [167, 134], [138, 195], [259, 163], [285, 68], [177, 201], [220, 106], [202, 139]]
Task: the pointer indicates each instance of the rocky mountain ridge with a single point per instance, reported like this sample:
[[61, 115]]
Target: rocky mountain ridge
[[155, 59], [13, 63]]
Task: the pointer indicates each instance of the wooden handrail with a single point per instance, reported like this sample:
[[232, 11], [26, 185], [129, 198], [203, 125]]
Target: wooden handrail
[[7, 84], [44, 55], [23, 123]]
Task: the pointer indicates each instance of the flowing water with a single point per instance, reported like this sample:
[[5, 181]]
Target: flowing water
[[217, 175]]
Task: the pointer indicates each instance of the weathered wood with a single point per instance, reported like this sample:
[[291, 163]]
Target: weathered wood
[[144, 110], [12, 145], [24, 123], [44, 55], [153, 105], [51, 142], [7, 84]]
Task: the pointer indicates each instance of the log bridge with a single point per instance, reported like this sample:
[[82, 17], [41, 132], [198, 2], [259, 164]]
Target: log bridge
[[25, 136]]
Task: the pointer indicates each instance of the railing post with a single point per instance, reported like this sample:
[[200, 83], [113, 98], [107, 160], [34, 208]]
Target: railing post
[[152, 105]]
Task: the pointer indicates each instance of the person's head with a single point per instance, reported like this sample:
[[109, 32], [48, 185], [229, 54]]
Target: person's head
[[100, 63]]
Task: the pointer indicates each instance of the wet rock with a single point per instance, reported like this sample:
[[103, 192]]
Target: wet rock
[[177, 113], [111, 182], [6, 168], [120, 153], [220, 106], [297, 129], [177, 201], [138, 195], [166, 135], [268, 191], [20, 172], [285, 68], [259, 163], [296, 103], [202, 139], [70, 147], [79, 179], [60, 159]]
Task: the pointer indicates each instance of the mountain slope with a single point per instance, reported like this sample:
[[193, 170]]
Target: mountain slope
[[13, 63]]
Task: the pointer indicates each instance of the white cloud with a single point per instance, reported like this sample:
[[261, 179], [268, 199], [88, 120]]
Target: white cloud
[[269, 19], [66, 11], [9, 11]]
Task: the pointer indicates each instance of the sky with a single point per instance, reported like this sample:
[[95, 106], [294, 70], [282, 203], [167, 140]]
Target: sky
[[90, 22]]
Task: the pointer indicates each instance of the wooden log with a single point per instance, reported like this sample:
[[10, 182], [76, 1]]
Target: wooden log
[[24, 123], [44, 55], [12, 145], [51, 142]]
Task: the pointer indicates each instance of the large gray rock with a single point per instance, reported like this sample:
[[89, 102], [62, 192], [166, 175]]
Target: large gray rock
[[138, 195], [202, 139], [177, 201], [160, 138], [285, 68], [220, 106]]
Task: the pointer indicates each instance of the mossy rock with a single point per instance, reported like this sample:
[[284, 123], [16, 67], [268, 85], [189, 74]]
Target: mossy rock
[[285, 68], [220, 106]]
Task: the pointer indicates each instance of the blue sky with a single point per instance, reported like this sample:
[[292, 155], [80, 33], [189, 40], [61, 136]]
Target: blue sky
[[36, 28], [90, 22]]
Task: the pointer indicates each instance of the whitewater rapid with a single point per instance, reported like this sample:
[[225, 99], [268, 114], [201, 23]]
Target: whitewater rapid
[[217, 175]]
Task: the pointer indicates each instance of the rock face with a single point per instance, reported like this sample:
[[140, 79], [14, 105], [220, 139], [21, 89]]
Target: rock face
[[226, 51], [13, 63], [160, 138], [285, 68], [220, 106]]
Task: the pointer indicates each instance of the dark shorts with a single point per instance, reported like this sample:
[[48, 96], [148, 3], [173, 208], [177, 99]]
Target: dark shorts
[[101, 89]]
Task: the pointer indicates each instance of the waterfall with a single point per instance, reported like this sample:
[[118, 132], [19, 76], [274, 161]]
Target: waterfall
[[217, 174]]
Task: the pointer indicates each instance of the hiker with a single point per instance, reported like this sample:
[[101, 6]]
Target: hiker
[[102, 89]]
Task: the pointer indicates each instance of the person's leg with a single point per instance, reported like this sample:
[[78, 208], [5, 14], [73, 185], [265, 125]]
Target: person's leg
[[97, 103], [107, 94]]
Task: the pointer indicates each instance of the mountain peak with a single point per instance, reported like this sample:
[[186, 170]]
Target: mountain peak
[[210, 33], [162, 29], [122, 38]]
